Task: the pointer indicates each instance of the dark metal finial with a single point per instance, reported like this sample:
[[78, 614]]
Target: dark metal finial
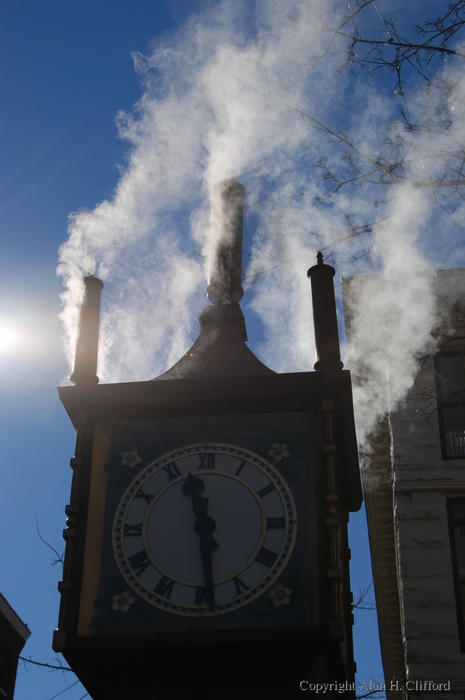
[[319, 257]]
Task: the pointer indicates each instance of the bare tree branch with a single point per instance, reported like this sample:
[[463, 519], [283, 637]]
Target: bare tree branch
[[424, 144], [370, 694], [66, 689], [361, 604], [59, 557], [53, 667]]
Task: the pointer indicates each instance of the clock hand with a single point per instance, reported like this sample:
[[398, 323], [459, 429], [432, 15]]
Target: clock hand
[[204, 527], [207, 545]]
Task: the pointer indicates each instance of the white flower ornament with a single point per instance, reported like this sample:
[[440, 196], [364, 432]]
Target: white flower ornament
[[130, 459], [122, 601], [278, 452], [281, 596]]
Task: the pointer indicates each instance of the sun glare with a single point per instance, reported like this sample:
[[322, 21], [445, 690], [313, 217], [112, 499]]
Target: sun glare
[[8, 340]]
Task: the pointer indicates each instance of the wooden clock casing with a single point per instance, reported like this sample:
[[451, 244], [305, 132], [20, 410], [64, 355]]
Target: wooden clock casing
[[107, 616]]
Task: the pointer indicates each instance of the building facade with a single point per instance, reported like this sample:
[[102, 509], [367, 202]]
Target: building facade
[[415, 498], [13, 636]]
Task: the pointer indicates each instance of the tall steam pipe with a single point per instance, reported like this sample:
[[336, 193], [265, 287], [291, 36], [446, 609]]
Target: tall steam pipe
[[221, 350], [324, 317], [225, 265], [86, 350]]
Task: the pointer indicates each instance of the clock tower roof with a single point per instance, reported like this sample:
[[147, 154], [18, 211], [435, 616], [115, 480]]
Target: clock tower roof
[[220, 350]]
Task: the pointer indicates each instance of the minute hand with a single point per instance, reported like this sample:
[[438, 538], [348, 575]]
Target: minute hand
[[204, 527]]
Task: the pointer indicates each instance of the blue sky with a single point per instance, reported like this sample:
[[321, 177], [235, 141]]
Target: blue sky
[[67, 72]]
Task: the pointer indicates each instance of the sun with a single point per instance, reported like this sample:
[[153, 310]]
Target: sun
[[8, 339]]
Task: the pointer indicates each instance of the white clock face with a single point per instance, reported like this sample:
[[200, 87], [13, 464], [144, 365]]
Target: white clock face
[[205, 529]]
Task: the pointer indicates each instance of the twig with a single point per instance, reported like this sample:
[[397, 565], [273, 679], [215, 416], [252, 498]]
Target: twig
[[59, 557], [45, 665]]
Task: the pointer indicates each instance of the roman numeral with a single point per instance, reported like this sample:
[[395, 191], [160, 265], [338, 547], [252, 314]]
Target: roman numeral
[[275, 523], [266, 557], [241, 467], [139, 562], [240, 584], [146, 496], [267, 489], [164, 587], [207, 460], [133, 530], [200, 595], [172, 470]]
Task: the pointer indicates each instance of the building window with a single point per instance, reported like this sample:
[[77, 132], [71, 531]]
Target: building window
[[456, 508], [450, 374]]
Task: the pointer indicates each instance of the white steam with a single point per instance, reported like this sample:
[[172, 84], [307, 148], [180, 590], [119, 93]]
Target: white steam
[[220, 101], [206, 115], [392, 315]]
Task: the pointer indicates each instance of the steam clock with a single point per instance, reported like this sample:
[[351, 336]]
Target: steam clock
[[206, 540]]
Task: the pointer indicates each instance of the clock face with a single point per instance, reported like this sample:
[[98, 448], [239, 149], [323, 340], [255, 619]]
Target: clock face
[[204, 529]]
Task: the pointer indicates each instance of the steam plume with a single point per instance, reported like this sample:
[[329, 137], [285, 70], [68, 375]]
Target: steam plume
[[223, 98]]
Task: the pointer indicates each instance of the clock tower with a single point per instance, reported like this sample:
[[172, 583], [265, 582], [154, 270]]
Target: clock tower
[[206, 540]]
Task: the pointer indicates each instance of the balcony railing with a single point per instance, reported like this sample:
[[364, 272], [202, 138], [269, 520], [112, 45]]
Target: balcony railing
[[456, 443]]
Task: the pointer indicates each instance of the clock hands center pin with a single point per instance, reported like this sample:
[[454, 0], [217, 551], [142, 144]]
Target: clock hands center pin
[[204, 527]]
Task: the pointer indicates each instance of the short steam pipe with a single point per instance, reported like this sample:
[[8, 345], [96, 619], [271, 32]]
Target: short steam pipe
[[86, 350], [324, 317]]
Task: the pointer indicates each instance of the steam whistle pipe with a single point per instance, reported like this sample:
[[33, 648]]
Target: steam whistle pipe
[[86, 351], [226, 221], [324, 317]]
